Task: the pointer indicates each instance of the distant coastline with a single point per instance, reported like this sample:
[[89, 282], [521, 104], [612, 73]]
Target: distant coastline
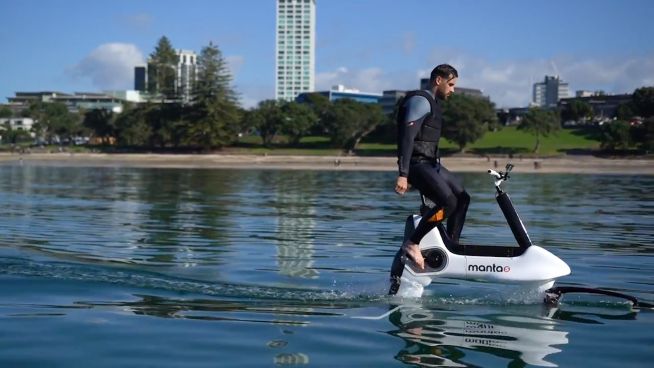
[[564, 164]]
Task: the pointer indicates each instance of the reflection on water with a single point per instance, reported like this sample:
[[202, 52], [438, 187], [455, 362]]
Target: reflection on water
[[515, 335], [295, 230], [436, 338]]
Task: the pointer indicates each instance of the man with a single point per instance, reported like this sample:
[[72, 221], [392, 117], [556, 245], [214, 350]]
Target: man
[[420, 121]]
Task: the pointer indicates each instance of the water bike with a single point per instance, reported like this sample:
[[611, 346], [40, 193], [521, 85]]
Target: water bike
[[527, 265]]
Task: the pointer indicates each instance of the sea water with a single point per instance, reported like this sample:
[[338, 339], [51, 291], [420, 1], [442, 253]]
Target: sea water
[[130, 267]]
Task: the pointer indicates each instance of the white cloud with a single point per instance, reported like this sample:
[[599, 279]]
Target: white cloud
[[510, 83], [372, 79], [110, 66]]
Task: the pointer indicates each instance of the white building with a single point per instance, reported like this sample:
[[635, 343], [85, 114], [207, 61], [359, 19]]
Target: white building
[[127, 95], [186, 73], [295, 48], [550, 91], [17, 124], [145, 77]]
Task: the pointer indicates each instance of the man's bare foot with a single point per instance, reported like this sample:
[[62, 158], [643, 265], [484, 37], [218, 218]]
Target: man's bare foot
[[413, 251]]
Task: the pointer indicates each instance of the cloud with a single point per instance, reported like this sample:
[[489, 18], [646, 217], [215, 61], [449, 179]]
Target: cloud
[[510, 83], [373, 79], [109, 66]]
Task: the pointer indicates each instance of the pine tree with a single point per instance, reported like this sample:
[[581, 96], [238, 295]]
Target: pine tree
[[162, 69], [215, 111]]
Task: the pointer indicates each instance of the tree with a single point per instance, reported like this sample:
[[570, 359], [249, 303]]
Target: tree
[[132, 125], [266, 119], [53, 120], [101, 122], [319, 104], [297, 120], [540, 123], [576, 110], [5, 112], [643, 134], [166, 124], [348, 121], [214, 114], [626, 111], [13, 136], [615, 135], [162, 69], [466, 119], [643, 99]]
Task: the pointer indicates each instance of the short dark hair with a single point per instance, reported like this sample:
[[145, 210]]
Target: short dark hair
[[446, 71]]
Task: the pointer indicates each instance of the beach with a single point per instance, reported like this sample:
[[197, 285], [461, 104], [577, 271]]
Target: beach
[[565, 164]]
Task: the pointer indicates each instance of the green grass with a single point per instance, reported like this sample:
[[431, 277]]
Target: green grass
[[309, 146], [509, 140]]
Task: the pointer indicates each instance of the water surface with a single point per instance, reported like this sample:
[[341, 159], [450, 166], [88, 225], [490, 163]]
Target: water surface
[[202, 268]]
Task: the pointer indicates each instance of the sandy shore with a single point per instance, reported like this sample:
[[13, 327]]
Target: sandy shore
[[568, 164]]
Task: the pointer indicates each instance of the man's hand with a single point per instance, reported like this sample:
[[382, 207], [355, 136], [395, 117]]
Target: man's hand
[[401, 185]]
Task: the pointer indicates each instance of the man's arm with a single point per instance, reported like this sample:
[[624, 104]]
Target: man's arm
[[416, 109]]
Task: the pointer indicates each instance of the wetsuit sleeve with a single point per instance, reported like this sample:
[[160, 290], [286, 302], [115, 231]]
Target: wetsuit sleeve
[[416, 109]]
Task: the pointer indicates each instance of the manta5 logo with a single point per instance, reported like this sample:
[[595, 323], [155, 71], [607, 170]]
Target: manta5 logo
[[488, 268]]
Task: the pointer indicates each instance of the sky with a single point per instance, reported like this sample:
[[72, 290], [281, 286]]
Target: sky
[[499, 46]]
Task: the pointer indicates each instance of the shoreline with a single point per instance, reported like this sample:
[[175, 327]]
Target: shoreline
[[565, 164]]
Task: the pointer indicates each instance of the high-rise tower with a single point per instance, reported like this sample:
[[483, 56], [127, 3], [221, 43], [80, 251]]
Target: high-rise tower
[[295, 48]]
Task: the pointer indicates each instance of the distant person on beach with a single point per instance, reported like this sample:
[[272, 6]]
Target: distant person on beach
[[419, 121]]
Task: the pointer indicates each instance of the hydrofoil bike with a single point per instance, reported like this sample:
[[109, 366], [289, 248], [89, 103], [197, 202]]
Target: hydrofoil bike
[[526, 264]]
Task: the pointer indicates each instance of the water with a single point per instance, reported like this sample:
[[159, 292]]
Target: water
[[110, 267]]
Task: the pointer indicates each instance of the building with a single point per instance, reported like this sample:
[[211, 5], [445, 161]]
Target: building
[[185, 74], [339, 92], [17, 123], [550, 91], [295, 45], [128, 95], [74, 102], [389, 100], [604, 106], [585, 93], [141, 78]]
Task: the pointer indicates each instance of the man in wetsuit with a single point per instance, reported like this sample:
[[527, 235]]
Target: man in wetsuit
[[420, 121]]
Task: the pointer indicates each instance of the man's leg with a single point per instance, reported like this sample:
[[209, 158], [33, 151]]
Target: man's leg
[[456, 215], [426, 178], [457, 219]]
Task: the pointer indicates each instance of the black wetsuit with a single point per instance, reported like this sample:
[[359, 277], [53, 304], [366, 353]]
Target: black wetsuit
[[420, 121]]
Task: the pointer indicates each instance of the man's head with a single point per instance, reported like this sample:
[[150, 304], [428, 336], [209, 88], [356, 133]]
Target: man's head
[[442, 80]]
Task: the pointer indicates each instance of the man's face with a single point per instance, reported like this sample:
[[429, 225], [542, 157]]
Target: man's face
[[445, 87]]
